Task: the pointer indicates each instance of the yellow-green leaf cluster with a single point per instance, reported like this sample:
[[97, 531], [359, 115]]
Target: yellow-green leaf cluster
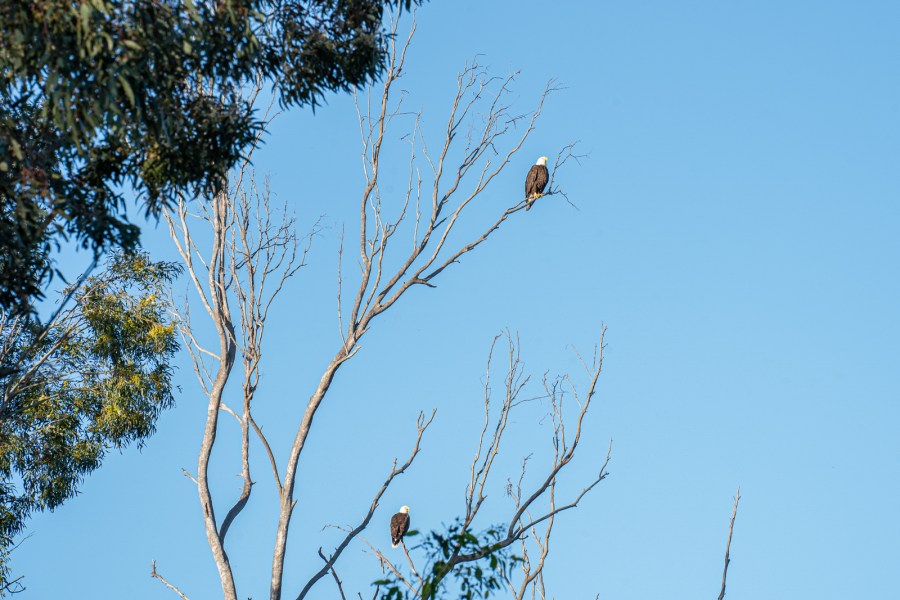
[[97, 378]]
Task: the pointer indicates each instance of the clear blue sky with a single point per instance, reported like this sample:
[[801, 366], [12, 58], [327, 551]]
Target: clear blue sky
[[737, 230]]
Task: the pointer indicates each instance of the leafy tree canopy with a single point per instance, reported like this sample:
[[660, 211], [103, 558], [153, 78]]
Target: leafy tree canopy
[[95, 378], [100, 96]]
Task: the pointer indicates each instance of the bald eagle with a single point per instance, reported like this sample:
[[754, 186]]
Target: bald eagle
[[536, 181], [399, 526]]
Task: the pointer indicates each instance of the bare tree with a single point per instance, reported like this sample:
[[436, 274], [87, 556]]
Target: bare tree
[[252, 256]]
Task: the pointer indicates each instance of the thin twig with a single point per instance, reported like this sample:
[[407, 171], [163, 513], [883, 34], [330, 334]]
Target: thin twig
[[334, 574], [385, 562], [737, 496], [156, 575]]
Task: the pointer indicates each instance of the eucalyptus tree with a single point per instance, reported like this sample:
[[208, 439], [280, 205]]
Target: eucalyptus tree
[[102, 99], [95, 376]]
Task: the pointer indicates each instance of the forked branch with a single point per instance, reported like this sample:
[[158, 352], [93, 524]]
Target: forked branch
[[156, 575], [252, 256]]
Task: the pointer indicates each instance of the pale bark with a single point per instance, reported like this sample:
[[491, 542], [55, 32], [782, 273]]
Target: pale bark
[[737, 497]]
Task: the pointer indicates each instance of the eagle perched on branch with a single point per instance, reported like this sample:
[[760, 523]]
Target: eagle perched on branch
[[399, 526], [536, 181]]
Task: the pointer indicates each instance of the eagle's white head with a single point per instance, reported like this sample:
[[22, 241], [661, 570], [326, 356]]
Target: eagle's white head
[[542, 161], [404, 509]]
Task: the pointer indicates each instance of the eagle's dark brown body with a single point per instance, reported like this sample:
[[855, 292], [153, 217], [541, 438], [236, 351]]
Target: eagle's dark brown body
[[535, 183], [399, 526]]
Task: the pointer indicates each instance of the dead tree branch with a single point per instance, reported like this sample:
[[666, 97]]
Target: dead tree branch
[[156, 575], [522, 522], [252, 257], [385, 562], [334, 574], [421, 426], [737, 497], [215, 300]]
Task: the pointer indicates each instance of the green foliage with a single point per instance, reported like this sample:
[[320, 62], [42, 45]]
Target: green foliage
[[459, 564], [102, 96], [94, 379]]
